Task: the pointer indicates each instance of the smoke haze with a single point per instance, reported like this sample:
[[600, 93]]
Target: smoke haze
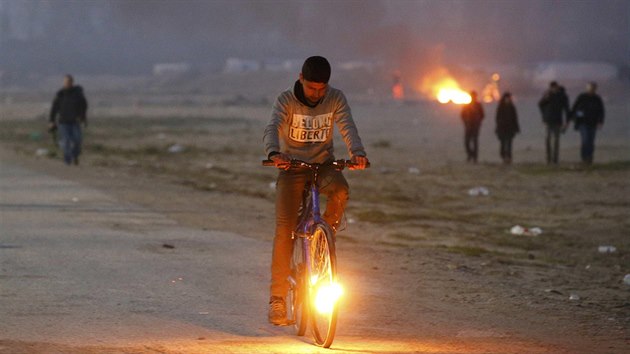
[[119, 37]]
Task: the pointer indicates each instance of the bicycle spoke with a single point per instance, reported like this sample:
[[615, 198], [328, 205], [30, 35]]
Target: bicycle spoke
[[323, 288]]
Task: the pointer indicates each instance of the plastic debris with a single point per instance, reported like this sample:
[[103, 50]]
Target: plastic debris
[[524, 231], [209, 165], [272, 185], [414, 170], [574, 297], [41, 152], [75, 199], [477, 191], [607, 249], [173, 149], [626, 279]]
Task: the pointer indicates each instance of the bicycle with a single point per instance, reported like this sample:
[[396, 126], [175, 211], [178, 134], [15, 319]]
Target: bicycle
[[313, 288]]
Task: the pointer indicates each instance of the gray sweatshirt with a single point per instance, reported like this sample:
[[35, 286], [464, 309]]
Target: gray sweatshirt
[[306, 133]]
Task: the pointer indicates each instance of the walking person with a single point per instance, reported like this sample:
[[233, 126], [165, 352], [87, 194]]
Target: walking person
[[68, 112], [554, 106], [507, 126], [588, 112], [301, 127], [472, 114]]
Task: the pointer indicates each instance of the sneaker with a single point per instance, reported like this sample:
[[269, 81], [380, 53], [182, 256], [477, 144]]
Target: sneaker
[[277, 311]]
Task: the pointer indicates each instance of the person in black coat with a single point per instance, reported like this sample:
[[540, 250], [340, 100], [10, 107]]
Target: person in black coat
[[507, 126], [472, 115], [554, 106], [68, 111], [588, 112]]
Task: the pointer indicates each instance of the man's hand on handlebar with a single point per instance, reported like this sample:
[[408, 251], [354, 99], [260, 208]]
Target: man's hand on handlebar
[[359, 162], [282, 161]]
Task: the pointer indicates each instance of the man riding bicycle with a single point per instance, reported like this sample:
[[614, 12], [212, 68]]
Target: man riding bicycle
[[302, 119]]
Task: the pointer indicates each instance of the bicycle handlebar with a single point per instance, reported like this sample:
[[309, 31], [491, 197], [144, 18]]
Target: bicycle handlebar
[[341, 164]]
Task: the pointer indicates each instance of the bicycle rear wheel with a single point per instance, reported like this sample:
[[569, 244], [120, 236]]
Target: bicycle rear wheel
[[324, 290], [297, 311]]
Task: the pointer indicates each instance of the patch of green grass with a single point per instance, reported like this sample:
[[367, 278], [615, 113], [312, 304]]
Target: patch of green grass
[[405, 236], [471, 251], [382, 144], [539, 169], [519, 242], [393, 244], [375, 216], [346, 238], [380, 217], [543, 170], [611, 166]]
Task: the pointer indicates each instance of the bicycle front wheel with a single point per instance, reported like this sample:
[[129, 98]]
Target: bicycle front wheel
[[324, 291]]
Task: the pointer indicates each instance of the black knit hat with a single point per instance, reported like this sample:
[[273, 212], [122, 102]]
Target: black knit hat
[[316, 69]]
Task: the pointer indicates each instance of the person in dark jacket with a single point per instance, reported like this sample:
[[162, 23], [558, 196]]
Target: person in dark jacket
[[507, 126], [69, 110], [554, 106], [472, 115], [588, 113]]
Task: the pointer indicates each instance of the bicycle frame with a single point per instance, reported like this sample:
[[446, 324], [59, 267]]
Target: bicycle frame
[[308, 236], [312, 216]]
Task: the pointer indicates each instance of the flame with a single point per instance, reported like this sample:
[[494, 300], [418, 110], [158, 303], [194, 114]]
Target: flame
[[441, 85], [327, 296], [398, 92], [453, 94]]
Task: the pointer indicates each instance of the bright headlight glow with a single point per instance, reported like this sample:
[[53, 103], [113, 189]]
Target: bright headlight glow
[[326, 297]]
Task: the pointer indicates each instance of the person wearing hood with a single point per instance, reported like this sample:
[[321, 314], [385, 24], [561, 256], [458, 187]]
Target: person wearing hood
[[507, 126], [68, 112], [301, 127]]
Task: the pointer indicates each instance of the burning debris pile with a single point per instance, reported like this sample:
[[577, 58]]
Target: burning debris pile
[[441, 85]]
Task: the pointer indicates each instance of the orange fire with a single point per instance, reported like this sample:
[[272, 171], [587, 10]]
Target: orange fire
[[398, 92], [441, 85], [450, 92]]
